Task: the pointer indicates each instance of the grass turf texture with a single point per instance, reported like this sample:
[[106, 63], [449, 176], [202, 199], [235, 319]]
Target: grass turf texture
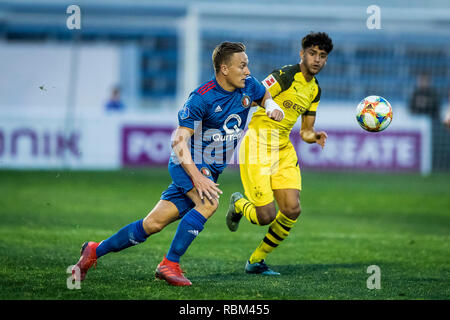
[[349, 221]]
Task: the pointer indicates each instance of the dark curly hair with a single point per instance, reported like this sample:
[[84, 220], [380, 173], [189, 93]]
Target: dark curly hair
[[320, 39]]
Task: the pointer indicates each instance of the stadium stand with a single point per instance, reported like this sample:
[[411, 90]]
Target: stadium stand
[[384, 63], [387, 63]]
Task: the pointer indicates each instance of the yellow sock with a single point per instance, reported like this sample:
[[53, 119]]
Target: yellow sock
[[278, 231], [248, 210]]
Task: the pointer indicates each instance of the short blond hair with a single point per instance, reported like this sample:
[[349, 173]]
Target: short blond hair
[[223, 52]]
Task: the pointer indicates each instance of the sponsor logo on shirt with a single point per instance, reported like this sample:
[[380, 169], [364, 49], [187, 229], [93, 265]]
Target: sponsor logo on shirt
[[232, 132], [289, 104]]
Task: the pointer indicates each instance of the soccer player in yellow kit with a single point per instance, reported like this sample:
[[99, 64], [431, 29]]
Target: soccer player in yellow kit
[[268, 161]]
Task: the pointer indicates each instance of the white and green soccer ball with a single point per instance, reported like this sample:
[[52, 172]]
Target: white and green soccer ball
[[374, 113]]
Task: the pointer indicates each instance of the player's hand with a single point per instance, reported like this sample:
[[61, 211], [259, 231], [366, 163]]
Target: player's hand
[[206, 187], [276, 115], [273, 110], [321, 138]]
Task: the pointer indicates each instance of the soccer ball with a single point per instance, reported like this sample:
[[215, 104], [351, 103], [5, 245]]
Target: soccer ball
[[374, 113]]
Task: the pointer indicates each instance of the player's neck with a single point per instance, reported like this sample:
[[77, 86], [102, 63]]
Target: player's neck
[[224, 84], [308, 76]]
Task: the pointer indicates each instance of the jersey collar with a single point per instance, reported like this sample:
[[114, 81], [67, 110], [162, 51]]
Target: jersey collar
[[301, 78], [222, 90]]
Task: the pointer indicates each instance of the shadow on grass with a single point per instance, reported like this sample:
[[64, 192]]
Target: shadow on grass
[[293, 271], [319, 267]]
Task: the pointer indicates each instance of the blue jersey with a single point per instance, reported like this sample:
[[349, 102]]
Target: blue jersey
[[218, 118]]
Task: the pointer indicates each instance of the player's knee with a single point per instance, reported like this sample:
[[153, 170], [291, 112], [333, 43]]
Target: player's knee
[[208, 207], [292, 211], [265, 220], [152, 226], [265, 217], [157, 227]]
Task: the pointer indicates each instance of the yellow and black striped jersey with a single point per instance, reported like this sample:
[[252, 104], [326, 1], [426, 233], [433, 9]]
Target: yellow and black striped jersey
[[293, 94]]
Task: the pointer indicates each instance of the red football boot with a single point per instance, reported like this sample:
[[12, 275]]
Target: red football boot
[[87, 259], [172, 273]]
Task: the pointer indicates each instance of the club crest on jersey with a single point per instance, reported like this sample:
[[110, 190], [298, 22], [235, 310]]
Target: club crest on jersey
[[205, 171], [246, 101], [311, 94]]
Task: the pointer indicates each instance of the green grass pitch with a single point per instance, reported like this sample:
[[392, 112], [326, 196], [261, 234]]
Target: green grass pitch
[[349, 221]]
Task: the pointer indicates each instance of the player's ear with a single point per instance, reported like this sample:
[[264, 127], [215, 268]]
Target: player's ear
[[224, 69]]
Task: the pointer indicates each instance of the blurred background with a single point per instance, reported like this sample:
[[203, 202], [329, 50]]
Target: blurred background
[[98, 85]]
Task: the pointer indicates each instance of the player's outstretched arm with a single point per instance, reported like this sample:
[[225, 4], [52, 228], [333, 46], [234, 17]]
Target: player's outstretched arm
[[308, 133], [204, 186]]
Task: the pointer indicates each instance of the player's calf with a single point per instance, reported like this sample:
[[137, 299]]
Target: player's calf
[[188, 229], [261, 215], [163, 214]]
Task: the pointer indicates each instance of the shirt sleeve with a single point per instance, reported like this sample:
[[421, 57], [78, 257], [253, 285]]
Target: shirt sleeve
[[255, 88], [192, 111], [314, 104], [272, 84]]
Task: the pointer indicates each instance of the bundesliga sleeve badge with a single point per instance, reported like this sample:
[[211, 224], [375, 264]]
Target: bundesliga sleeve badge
[[269, 81]]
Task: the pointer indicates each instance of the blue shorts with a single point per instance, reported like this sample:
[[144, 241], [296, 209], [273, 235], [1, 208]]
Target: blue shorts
[[182, 184]]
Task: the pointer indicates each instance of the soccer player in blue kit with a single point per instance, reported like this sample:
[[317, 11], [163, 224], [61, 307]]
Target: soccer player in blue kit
[[209, 127]]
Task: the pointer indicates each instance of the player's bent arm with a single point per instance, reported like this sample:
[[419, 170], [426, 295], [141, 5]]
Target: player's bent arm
[[273, 110], [308, 134], [180, 147]]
